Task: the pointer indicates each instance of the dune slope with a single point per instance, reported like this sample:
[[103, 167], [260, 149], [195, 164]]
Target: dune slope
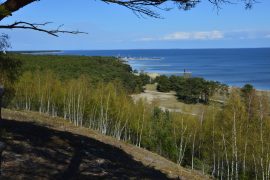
[[42, 147]]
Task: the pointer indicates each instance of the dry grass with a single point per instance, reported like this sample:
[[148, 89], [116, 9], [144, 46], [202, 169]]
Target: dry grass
[[167, 101]]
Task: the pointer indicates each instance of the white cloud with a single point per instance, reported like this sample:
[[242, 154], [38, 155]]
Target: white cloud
[[212, 35], [146, 39], [201, 35], [247, 34], [178, 36]]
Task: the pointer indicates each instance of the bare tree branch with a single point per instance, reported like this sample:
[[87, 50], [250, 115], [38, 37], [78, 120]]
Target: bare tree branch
[[38, 27], [144, 6], [139, 7]]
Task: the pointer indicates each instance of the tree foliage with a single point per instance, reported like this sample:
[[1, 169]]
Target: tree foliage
[[217, 140], [163, 83], [100, 69], [4, 42], [190, 90], [9, 68]]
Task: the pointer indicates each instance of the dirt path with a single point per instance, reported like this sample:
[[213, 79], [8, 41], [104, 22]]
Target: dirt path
[[41, 147]]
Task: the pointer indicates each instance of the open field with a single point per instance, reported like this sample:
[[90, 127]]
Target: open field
[[167, 101]]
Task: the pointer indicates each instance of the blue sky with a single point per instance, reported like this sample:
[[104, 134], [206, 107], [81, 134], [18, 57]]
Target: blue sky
[[115, 27]]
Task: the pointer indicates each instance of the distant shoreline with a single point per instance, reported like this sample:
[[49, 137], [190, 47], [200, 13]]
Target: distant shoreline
[[141, 49], [37, 52], [126, 59]]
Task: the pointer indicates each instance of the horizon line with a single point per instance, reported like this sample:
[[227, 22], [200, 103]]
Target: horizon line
[[140, 49]]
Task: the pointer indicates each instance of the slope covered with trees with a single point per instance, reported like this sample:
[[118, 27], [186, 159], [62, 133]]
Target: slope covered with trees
[[42, 147], [217, 141]]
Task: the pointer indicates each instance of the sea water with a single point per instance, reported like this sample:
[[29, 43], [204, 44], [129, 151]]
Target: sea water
[[234, 67]]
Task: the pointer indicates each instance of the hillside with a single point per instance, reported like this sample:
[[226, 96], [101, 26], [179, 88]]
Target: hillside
[[41, 147]]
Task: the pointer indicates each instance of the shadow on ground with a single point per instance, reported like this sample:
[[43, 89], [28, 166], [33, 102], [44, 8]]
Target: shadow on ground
[[36, 152]]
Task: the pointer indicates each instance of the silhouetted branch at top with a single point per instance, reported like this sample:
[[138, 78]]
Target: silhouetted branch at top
[[142, 7], [37, 27]]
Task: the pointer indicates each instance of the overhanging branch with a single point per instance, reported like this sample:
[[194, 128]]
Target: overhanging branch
[[38, 27], [145, 7], [142, 7], [138, 6]]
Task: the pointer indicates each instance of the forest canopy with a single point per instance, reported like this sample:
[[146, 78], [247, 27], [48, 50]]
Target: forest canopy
[[191, 90], [99, 69]]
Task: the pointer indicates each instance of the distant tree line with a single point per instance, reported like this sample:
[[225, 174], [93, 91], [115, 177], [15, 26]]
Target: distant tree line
[[100, 69], [190, 90]]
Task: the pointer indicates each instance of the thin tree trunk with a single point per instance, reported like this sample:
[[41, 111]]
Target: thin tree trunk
[[261, 138], [226, 156], [193, 148], [245, 152], [141, 128], [0, 106], [268, 171], [255, 167], [2, 145], [235, 153], [137, 133]]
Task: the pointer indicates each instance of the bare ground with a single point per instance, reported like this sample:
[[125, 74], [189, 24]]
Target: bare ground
[[167, 101], [41, 147]]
